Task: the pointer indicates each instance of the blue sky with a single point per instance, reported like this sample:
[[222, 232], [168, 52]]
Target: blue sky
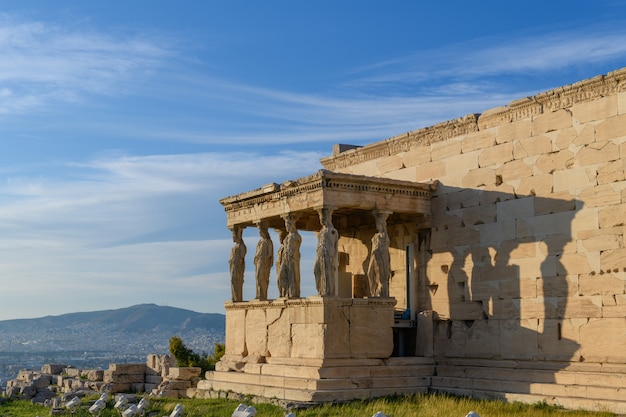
[[122, 123]]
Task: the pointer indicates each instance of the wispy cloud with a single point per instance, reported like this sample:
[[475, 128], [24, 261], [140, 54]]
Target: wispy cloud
[[43, 63], [530, 53]]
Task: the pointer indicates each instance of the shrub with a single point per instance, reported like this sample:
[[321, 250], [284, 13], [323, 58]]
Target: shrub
[[187, 357]]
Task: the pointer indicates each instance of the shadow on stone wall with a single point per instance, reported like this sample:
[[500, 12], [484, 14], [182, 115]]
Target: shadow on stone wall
[[497, 258]]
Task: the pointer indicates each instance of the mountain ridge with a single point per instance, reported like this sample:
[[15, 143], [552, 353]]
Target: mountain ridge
[[137, 318]]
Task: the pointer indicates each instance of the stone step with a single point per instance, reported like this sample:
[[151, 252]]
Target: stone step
[[580, 403], [596, 379]]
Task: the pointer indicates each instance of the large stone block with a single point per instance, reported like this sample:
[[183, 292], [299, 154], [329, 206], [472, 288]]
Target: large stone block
[[517, 130], [574, 179], [559, 339], [463, 199], [603, 340], [539, 185], [463, 235], [496, 155], [279, 336], [416, 156], [515, 170], [371, 342], [558, 202], [308, 340], [184, 373], [389, 163], [53, 369], [458, 165], [430, 171], [597, 153], [612, 216], [551, 121], [573, 263], [518, 339], [445, 149], [600, 196], [128, 368], [479, 140], [256, 332], [610, 284], [362, 168], [515, 209], [478, 215], [122, 378], [547, 164], [602, 242], [612, 171], [611, 128], [598, 109], [495, 232], [235, 330], [536, 145], [557, 287]]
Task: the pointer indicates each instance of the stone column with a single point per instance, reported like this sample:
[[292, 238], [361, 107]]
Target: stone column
[[289, 260], [326, 269], [263, 261], [379, 268], [237, 263]]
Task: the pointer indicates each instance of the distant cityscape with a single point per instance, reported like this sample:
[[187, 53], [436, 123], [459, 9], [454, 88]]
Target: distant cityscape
[[94, 345]]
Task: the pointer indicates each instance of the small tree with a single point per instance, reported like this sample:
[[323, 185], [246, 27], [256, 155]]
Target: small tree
[[187, 357]]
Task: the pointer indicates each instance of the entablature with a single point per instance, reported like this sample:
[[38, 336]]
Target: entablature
[[346, 194]]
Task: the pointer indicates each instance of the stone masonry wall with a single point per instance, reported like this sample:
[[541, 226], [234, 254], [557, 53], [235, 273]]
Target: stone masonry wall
[[526, 258]]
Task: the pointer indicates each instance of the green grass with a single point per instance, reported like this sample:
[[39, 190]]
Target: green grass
[[409, 406]]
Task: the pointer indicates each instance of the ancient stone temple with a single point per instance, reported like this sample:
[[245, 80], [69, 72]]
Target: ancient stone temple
[[483, 256]]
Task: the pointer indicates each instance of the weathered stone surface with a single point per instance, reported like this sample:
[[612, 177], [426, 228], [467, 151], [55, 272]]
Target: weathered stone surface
[[256, 332], [611, 128], [446, 149], [479, 140], [551, 121], [128, 368], [184, 373], [601, 108], [111, 376], [53, 369]]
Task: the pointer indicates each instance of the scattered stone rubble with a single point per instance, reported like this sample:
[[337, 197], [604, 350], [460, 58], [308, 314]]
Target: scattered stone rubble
[[56, 383]]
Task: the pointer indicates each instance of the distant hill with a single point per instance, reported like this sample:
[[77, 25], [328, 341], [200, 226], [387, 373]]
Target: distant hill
[[148, 324], [141, 318]]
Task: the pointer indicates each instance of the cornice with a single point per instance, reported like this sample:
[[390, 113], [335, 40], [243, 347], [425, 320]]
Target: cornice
[[324, 179]]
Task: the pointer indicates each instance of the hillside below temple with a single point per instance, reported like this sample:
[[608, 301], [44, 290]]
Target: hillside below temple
[[483, 256]]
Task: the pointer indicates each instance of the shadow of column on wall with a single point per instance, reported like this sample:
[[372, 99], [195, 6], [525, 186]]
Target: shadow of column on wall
[[495, 281]]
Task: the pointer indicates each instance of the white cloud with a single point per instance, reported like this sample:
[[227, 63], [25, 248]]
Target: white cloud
[[487, 58], [43, 63]]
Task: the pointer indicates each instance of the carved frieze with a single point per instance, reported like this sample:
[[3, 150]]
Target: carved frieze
[[327, 189]]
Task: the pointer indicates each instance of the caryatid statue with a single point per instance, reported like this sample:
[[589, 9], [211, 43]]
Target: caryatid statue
[[263, 261], [289, 272], [282, 280], [237, 264], [379, 268], [326, 269]]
